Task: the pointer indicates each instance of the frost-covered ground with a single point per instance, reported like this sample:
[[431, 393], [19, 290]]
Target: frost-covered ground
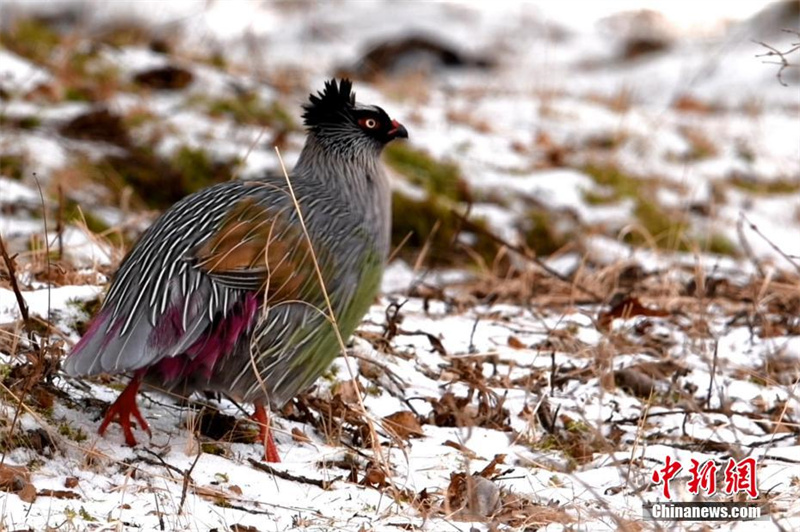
[[652, 163]]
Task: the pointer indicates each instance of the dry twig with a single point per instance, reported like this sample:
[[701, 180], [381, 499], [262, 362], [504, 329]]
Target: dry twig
[[783, 62]]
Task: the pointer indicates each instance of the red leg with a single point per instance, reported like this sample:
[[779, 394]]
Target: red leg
[[261, 417], [125, 407]]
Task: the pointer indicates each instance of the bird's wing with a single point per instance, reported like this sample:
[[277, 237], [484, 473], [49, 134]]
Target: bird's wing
[[160, 303], [260, 248], [193, 269]]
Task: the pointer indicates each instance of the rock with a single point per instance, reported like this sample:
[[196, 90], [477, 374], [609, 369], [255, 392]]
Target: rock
[[412, 54], [164, 78], [639, 33], [98, 125]]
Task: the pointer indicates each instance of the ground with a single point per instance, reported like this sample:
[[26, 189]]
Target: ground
[[594, 268]]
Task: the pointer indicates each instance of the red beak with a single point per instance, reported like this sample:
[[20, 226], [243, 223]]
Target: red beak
[[398, 131]]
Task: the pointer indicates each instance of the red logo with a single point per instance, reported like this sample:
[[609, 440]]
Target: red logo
[[739, 477], [703, 477], [666, 473]]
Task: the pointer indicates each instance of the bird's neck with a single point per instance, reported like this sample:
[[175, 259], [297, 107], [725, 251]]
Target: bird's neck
[[356, 176], [321, 150], [351, 168]]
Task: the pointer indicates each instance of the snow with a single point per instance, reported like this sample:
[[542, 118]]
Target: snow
[[13, 192], [44, 302], [18, 73], [525, 352]]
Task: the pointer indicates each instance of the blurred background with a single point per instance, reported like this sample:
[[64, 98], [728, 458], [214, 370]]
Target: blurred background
[[579, 131], [596, 222]]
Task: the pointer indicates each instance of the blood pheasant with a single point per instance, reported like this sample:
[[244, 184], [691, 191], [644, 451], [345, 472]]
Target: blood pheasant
[[222, 293]]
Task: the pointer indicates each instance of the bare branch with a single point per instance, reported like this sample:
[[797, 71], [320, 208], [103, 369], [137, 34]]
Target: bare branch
[[783, 62]]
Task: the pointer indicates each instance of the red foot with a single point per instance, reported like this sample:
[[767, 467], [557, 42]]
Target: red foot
[[122, 410], [261, 417]]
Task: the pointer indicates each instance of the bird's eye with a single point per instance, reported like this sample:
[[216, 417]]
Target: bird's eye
[[369, 123]]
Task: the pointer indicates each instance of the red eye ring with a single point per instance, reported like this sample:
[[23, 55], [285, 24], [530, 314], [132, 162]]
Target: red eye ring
[[368, 123]]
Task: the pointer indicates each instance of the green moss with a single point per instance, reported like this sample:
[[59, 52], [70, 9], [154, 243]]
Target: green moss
[[89, 77], [124, 33], [217, 60], [32, 39], [766, 188], [619, 184], [573, 425], [593, 197], [74, 214], [667, 230], [85, 515], [12, 166], [719, 244], [77, 94], [438, 178], [196, 168], [86, 308], [27, 122], [672, 232], [212, 448], [413, 223], [331, 373], [77, 435], [250, 109], [138, 118], [160, 182], [541, 235], [548, 442]]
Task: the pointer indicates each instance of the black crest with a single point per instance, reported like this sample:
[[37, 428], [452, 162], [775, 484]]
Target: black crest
[[335, 101]]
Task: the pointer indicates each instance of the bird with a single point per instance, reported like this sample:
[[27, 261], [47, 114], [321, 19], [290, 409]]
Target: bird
[[230, 289]]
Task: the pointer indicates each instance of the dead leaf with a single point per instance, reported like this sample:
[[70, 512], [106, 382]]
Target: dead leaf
[[27, 493], [688, 104], [43, 398], [626, 308], [211, 494], [516, 343], [661, 370], [489, 470], [348, 391], [58, 494], [13, 478], [404, 425], [374, 477], [469, 453], [299, 436], [243, 528], [472, 495], [635, 382], [369, 369]]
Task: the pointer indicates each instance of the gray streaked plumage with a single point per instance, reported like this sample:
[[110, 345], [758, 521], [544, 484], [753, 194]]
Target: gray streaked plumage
[[221, 293]]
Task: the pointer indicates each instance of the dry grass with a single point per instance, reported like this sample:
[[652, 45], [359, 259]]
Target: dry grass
[[627, 307]]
